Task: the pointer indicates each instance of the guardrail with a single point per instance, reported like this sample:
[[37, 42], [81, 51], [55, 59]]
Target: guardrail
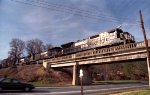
[[103, 51]]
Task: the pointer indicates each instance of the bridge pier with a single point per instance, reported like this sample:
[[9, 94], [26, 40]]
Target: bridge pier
[[87, 79], [75, 79]]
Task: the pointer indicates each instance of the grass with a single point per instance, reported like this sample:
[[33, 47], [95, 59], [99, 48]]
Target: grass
[[116, 81], [134, 92], [141, 92], [144, 92]]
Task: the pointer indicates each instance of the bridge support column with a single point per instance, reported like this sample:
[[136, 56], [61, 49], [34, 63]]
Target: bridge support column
[[87, 78], [75, 80]]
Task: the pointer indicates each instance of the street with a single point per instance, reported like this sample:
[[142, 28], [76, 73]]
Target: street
[[75, 90]]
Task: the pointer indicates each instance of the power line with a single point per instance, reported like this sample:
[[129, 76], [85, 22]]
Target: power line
[[90, 11], [126, 6], [119, 18], [73, 11], [98, 11], [146, 6], [77, 10]]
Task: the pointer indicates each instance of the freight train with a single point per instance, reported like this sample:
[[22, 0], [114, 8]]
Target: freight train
[[105, 39]]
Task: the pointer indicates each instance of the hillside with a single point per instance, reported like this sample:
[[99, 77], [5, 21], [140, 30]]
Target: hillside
[[35, 72]]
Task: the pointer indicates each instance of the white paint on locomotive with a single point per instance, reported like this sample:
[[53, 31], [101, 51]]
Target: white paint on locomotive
[[115, 36], [45, 53], [102, 39], [81, 43]]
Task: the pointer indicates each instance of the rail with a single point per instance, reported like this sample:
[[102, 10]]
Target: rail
[[103, 51]]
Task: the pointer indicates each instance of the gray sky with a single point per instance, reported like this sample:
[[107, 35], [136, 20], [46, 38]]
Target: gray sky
[[61, 21]]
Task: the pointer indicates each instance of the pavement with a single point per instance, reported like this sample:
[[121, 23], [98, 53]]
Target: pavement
[[76, 90]]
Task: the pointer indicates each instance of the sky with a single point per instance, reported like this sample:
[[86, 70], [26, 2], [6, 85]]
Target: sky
[[61, 21]]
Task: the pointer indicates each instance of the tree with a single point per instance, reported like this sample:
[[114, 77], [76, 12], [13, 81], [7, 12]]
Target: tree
[[34, 46], [48, 46], [16, 50]]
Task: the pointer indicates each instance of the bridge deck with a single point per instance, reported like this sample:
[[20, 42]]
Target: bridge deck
[[99, 52]]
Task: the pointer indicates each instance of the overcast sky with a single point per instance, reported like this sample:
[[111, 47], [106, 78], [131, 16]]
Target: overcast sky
[[61, 21]]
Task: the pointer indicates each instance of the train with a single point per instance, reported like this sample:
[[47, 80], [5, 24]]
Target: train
[[104, 39]]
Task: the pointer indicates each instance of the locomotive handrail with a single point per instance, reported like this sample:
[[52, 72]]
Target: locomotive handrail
[[100, 51]]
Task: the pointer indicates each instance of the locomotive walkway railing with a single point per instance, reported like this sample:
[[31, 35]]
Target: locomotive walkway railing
[[103, 51]]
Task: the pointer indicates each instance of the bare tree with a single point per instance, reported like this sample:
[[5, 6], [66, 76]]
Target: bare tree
[[16, 50], [34, 46], [48, 46]]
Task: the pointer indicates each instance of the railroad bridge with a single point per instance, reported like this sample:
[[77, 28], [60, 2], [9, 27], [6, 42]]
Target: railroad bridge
[[128, 52]]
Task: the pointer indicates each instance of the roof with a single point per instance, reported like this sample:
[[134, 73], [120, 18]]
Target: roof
[[55, 48], [95, 36], [112, 30], [67, 44], [126, 32]]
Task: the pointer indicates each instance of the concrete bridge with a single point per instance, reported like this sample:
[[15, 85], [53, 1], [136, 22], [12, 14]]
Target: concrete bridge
[[128, 52]]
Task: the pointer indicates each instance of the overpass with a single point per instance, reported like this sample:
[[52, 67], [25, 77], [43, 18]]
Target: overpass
[[128, 52]]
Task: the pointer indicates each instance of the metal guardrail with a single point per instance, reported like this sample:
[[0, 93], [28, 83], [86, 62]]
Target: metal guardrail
[[103, 51], [106, 50]]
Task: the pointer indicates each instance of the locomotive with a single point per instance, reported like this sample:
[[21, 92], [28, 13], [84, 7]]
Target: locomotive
[[113, 37]]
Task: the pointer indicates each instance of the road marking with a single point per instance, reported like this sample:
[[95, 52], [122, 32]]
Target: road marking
[[116, 88], [54, 93], [49, 87], [69, 92]]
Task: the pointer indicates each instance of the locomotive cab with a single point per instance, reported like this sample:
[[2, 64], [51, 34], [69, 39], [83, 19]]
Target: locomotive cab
[[116, 36]]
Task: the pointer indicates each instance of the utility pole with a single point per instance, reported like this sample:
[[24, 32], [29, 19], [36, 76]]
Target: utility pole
[[81, 80], [146, 44]]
